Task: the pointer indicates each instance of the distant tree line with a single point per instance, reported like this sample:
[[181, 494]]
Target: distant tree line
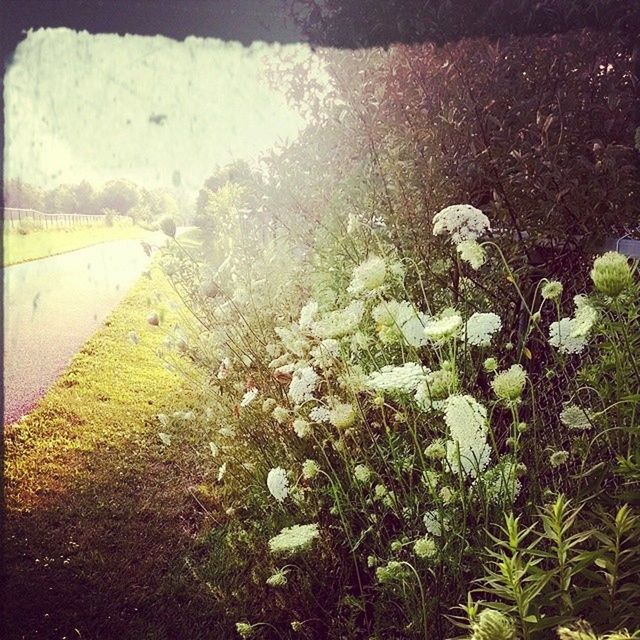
[[119, 197]]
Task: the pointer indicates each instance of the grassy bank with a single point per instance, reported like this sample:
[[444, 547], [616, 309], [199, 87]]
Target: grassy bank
[[99, 510], [49, 242]]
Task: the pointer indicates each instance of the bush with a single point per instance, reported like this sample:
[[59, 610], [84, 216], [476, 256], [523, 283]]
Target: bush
[[406, 433]]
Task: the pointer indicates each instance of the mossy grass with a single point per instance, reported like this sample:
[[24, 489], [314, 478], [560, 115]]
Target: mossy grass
[[42, 243], [98, 508]]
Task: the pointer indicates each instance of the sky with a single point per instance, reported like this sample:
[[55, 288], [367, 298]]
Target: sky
[[99, 107]]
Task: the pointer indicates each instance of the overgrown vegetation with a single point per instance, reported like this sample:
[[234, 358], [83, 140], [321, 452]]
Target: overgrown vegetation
[[426, 413]]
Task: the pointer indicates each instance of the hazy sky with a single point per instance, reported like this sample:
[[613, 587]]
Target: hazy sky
[[104, 106]]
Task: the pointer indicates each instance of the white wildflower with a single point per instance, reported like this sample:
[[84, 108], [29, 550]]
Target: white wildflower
[[473, 253], [320, 414], [403, 378], [341, 322], [342, 415], [461, 222], [425, 548], [222, 472], [299, 537], [561, 338], [310, 469], [435, 387], [575, 417], [303, 384], [551, 290], [368, 276], [213, 447], [480, 328], [280, 415], [293, 341], [362, 473], [308, 314], [301, 427], [249, 397], [444, 327], [398, 321], [326, 353], [278, 483], [584, 318], [466, 419], [165, 437], [508, 385]]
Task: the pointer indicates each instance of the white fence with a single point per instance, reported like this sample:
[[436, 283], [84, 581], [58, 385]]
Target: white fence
[[14, 218]]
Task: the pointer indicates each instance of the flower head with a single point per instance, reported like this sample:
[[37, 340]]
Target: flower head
[[473, 253], [468, 451], [278, 579], [303, 384], [342, 415], [560, 336], [443, 328], [481, 327], [508, 385], [301, 427], [461, 222], [310, 469], [341, 322], [245, 630], [368, 276], [249, 397], [611, 274], [493, 625], [362, 473], [575, 417], [293, 539], [403, 378], [551, 290], [558, 458], [425, 548], [278, 483], [390, 572]]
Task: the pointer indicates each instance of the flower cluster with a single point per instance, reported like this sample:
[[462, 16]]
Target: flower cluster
[[461, 222], [294, 539]]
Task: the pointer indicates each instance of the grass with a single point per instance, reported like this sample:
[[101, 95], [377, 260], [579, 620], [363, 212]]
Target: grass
[[42, 243], [99, 511]]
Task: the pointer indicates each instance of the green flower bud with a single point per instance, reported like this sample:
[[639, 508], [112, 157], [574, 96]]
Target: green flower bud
[[611, 274]]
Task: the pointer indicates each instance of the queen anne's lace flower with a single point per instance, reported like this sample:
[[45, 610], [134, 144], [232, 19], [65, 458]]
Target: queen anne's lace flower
[[508, 385], [362, 473], [443, 328], [611, 273], [403, 378], [249, 397], [584, 319], [400, 321], [391, 572], [466, 418], [551, 290], [480, 328], [473, 253], [342, 415], [319, 414], [308, 314], [303, 384], [278, 483], [301, 427], [293, 539], [326, 353], [561, 338], [461, 222], [310, 469], [280, 415], [435, 387], [425, 548], [558, 458], [293, 341], [368, 276], [341, 322], [575, 417]]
